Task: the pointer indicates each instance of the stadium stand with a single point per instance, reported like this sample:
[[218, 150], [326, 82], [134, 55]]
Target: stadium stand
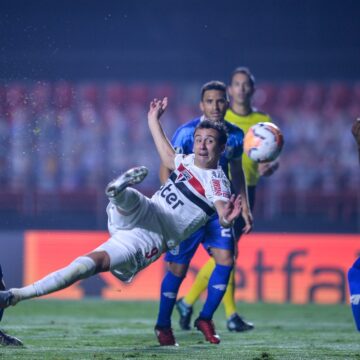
[[62, 142]]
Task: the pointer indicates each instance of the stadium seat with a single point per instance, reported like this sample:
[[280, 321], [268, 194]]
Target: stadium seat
[[63, 95], [139, 94], [265, 97], [289, 95], [313, 96], [40, 94], [116, 94], [88, 93], [15, 95]]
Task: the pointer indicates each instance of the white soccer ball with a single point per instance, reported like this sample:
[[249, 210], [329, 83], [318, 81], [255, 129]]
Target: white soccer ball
[[263, 142]]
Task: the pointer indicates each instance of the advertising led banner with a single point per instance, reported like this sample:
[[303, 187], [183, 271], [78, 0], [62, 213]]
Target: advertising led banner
[[295, 268]]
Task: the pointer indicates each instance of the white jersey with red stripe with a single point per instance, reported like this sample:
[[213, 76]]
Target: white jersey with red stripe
[[186, 201]]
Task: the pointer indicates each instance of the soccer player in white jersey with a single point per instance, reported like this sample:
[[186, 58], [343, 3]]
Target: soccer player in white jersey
[[141, 228]]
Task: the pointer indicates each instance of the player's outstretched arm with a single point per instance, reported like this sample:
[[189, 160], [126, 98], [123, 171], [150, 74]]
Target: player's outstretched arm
[[228, 211], [163, 146]]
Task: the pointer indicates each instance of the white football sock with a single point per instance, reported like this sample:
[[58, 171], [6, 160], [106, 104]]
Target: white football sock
[[127, 201], [80, 268]]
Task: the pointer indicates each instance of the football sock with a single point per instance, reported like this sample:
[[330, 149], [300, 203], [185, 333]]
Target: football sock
[[216, 290], [80, 268], [127, 201], [169, 289], [354, 286], [228, 299], [200, 283]]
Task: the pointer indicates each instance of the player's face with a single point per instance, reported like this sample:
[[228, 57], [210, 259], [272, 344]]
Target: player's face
[[241, 89], [207, 149], [214, 105]]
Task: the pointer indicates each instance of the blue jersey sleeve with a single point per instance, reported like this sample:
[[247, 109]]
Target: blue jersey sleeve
[[235, 141], [183, 139], [238, 150]]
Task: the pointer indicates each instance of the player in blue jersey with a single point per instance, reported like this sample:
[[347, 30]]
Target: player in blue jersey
[[219, 242], [354, 271], [5, 339]]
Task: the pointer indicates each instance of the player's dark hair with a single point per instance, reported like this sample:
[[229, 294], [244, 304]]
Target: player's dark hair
[[213, 85], [243, 70], [219, 126]]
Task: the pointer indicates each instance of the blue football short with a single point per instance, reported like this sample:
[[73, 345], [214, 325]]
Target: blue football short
[[211, 235]]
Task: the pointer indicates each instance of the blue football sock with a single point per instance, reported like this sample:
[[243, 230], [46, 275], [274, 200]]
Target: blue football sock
[[169, 289], [354, 286], [216, 290]]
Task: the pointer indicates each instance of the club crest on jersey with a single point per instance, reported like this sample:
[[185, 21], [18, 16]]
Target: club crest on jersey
[[183, 176]]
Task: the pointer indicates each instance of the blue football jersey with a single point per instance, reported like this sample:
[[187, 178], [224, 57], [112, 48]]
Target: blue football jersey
[[183, 142]]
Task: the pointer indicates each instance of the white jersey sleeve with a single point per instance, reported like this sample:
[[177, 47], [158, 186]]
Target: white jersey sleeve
[[218, 187], [178, 159]]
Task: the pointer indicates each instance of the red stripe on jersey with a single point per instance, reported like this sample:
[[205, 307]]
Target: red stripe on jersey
[[194, 182]]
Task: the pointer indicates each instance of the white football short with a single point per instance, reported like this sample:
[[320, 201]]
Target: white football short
[[136, 240]]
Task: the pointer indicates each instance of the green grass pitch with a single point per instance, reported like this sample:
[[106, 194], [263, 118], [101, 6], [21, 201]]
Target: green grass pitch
[[107, 330]]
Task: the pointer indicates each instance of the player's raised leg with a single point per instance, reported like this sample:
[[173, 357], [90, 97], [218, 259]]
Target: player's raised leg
[[130, 177]]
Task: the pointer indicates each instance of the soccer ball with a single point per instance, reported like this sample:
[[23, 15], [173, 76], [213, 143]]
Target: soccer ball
[[263, 142]]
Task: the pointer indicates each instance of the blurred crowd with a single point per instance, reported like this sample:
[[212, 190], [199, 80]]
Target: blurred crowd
[[65, 136]]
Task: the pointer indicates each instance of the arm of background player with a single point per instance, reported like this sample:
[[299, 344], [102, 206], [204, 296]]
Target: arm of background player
[[356, 132], [239, 183], [162, 143]]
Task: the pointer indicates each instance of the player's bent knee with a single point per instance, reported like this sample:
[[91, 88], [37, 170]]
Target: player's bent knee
[[101, 260], [178, 270], [223, 257]]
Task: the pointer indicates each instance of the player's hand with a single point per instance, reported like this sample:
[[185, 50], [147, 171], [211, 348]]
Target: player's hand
[[248, 218], [267, 169], [232, 209], [157, 108], [356, 130]]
